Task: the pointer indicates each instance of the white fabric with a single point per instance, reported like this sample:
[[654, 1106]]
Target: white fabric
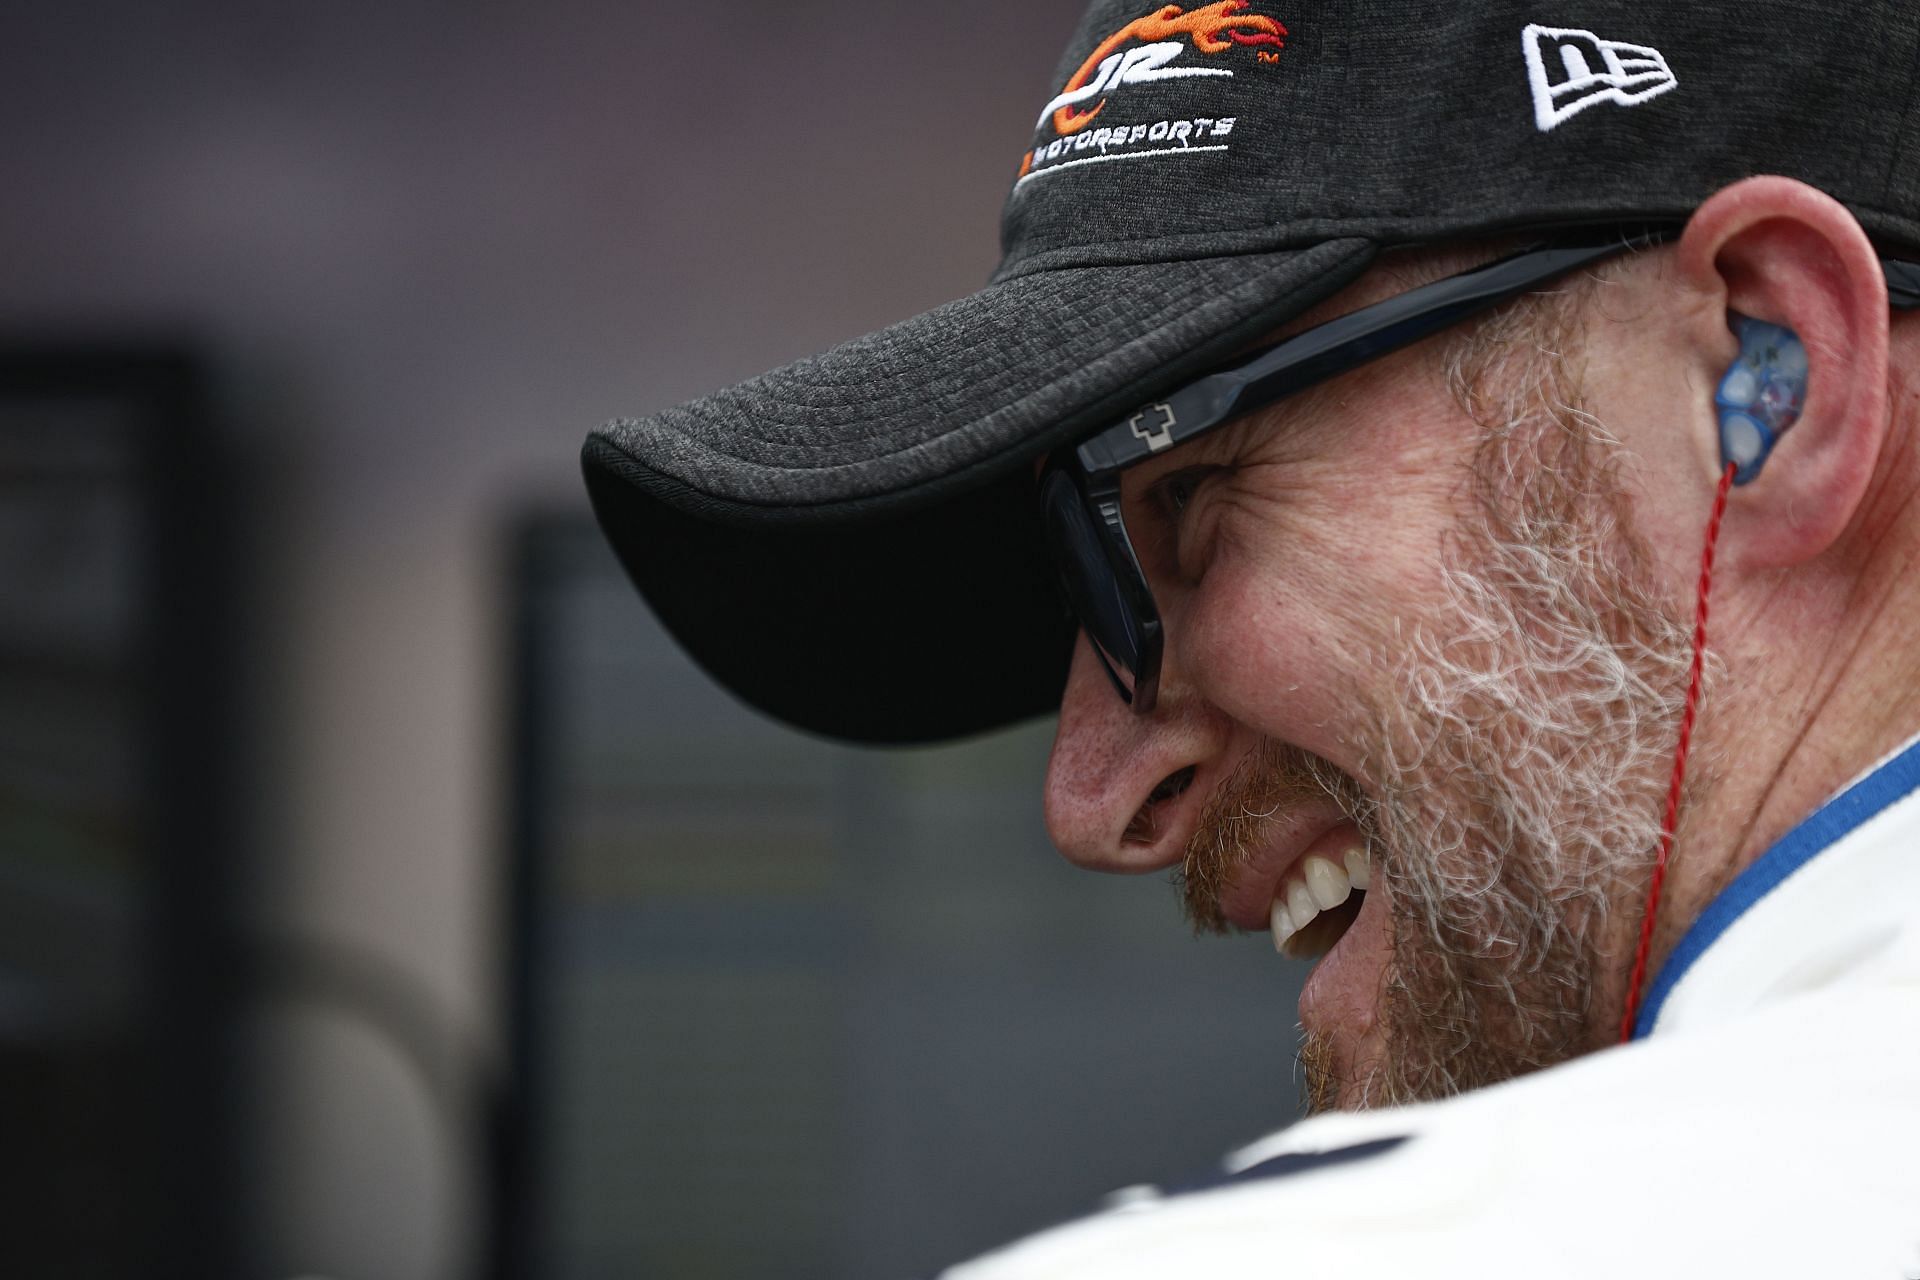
[[1769, 1127]]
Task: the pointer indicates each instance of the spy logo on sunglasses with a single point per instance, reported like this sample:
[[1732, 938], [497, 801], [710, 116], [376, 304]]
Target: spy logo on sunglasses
[[1159, 436]]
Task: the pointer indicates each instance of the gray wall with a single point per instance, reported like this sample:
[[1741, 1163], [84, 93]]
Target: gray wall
[[426, 247]]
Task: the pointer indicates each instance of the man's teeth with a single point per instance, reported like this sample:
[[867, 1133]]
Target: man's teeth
[[1317, 884], [1300, 905], [1328, 884], [1359, 870]]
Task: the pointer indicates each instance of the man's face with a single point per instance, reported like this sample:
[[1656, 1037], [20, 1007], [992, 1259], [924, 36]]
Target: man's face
[[1414, 643]]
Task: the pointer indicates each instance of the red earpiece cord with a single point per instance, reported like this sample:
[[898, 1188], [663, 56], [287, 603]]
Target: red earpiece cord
[[1679, 759]]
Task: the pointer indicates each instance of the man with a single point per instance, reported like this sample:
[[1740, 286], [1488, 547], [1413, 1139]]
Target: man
[[1386, 570]]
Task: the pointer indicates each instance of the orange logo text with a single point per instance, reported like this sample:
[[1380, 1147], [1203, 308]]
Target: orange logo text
[[1213, 28]]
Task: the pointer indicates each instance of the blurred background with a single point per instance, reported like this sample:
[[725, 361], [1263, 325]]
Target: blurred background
[[381, 893]]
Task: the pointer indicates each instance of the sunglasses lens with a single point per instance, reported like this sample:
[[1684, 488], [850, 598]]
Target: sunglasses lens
[[1092, 587]]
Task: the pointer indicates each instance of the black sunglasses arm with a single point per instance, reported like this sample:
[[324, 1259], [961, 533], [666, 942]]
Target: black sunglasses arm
[[1331, 349], [1903, 283], [1328, 350]]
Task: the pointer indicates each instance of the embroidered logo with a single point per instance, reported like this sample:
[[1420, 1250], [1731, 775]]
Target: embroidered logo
[[1570, 70], [1159, 435], [1143, 53]]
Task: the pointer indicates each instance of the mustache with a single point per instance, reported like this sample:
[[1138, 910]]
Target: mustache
[[1270, 780]]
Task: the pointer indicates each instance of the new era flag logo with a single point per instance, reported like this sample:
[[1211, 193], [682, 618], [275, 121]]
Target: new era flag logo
[[1571, 70]]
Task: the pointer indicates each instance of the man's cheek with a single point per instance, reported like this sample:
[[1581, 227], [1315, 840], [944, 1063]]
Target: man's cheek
[[1262, 651]]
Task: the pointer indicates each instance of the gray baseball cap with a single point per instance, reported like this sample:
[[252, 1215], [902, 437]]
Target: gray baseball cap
[[852, 544]]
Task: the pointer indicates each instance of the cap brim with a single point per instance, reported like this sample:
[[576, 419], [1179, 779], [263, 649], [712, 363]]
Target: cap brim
[[852, 543]]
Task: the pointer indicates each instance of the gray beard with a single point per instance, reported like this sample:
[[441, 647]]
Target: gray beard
[[1520, 777], [1516, 774]]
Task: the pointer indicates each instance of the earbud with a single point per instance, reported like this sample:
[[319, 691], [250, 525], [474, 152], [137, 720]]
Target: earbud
[[1761, 394]]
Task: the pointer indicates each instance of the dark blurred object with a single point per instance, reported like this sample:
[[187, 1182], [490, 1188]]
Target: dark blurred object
[[117, 1076], [787, 1008]]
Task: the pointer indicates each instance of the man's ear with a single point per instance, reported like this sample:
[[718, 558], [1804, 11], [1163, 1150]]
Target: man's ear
[[1778, 250]]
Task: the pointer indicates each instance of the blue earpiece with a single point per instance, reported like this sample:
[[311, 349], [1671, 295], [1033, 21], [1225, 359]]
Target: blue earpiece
[[1761, 394]]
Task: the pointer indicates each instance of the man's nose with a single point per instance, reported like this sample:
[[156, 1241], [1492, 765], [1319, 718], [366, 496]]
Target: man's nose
[[1120, 793]]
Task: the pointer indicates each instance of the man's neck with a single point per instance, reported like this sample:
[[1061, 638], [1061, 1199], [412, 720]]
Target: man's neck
[[1822, 680]]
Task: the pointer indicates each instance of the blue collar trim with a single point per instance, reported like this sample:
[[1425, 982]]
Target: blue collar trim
[[1889, 782]]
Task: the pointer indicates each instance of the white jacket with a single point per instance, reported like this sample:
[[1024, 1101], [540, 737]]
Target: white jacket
[[1765, 1122]]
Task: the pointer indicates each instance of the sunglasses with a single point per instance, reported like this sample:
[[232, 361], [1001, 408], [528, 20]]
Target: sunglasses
[[1080, 487]]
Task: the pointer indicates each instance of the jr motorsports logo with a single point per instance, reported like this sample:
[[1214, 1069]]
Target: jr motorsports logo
[[1120, 74]]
